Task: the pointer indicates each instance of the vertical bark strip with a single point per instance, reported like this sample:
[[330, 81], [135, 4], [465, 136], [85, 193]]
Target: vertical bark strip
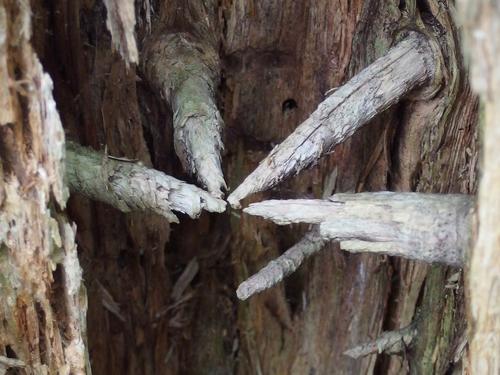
[[482, 39], [43, 306], [121, 25]]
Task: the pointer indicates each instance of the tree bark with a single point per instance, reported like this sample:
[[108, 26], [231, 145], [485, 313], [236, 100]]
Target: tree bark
[[409, 65], [163, 301]]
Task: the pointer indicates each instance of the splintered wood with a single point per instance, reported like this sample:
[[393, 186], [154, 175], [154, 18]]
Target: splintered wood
[[434, 228], [43, 310]]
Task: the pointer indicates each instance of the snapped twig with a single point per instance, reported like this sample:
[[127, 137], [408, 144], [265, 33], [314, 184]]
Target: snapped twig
[[391, 342]]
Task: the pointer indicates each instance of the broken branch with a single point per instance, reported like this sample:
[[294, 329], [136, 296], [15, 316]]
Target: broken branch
[[186, 72], [434, 228], [128, 186], [407, 66], [279, 268], [391, 342]]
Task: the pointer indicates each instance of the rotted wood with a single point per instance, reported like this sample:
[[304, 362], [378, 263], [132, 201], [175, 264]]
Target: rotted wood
[[410, 64], [129, 186], [43, 309]]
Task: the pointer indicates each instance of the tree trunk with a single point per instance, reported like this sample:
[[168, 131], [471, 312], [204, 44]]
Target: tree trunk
[[162, 297]]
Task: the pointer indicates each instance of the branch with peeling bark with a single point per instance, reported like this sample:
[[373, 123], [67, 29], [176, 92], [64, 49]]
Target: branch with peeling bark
[[411, 64], [129, 186], [433, 228], [186, 72]]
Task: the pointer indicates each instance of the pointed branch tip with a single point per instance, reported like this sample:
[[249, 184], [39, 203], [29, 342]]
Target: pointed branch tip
[[186, 71], [409, 65], [279, 268], [391, 342]]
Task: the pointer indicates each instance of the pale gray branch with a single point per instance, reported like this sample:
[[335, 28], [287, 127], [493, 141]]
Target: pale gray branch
[[129, 186], [427, 227], [410, 64], [391, 342], [279, 268], [186, 73]]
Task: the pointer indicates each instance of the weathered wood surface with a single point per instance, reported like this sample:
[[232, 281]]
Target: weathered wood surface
[[129, 186], [278, 60], [408, 65], [481, 20], [434, 228], [120, 22]]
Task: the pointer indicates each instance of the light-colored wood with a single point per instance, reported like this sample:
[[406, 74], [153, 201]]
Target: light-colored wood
[[130, 186], [408, 65], [120, 22], [390, 342], [434, 228]]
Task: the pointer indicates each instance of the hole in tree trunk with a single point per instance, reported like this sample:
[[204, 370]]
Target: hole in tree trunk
[[288, 105], [9, 352]]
